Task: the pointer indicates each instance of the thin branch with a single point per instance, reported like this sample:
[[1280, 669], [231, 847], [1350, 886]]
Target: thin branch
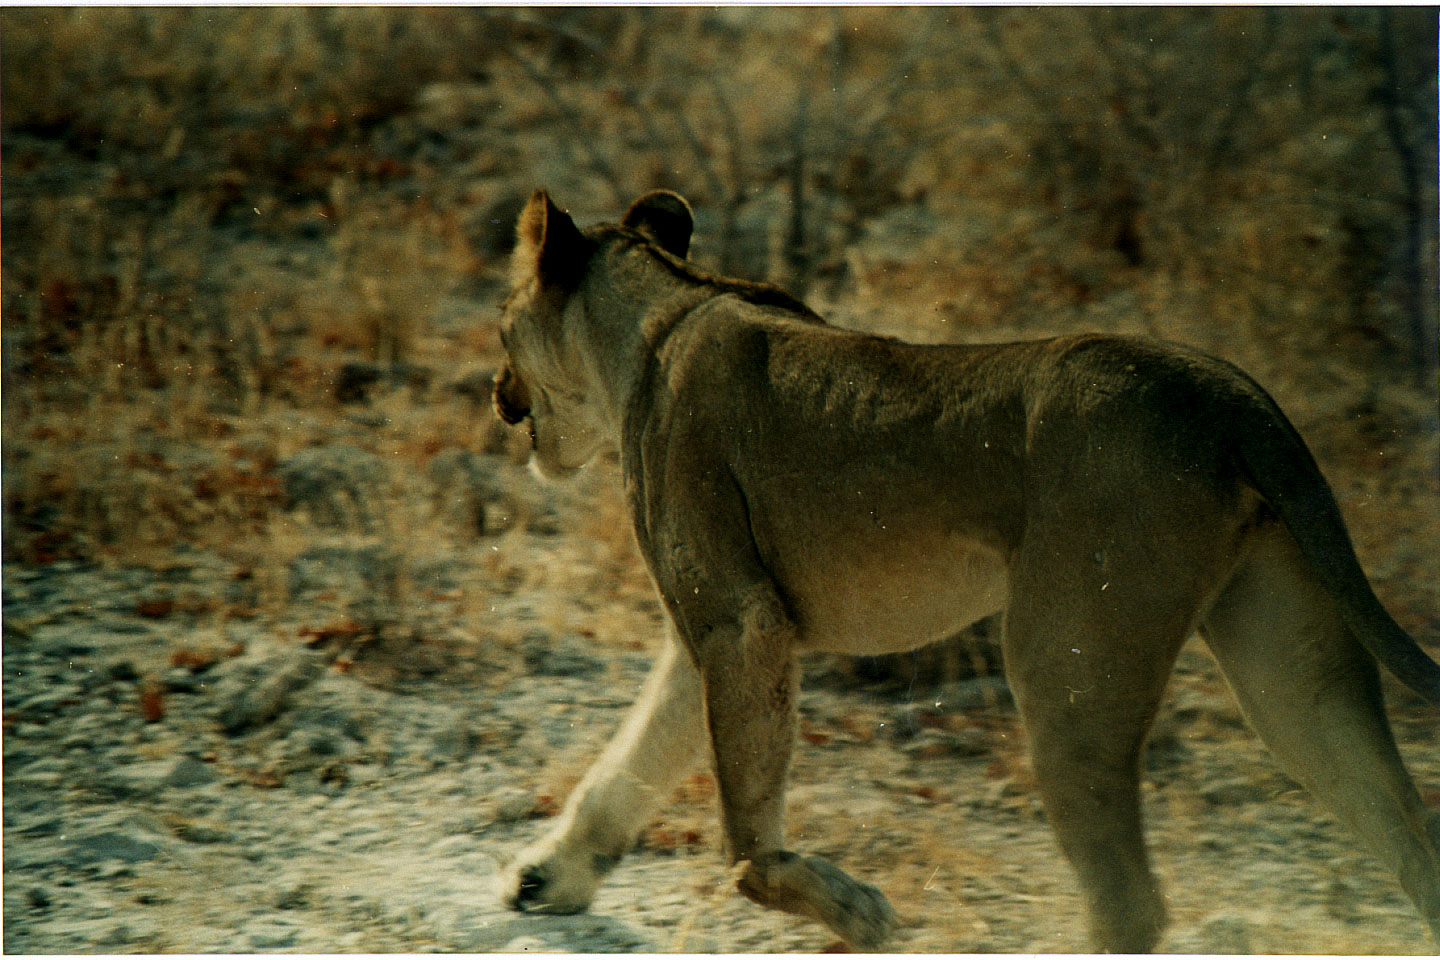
[[797, 252], [1139, 129], [703, 154], [735, 196], [1224, 142], [1012, 67], [582, 134], [884, 88], [1389, 93], [655, 138], [1045, 109], [885, 95]]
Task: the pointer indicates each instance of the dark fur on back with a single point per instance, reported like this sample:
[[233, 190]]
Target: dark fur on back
[[751, 291]]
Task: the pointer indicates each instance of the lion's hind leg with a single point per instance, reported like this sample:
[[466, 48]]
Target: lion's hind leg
[[1094, 621], [654, 748], [1313, 694], [1086, 720]]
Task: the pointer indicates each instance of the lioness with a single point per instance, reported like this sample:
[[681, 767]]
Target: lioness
[[799, 487]]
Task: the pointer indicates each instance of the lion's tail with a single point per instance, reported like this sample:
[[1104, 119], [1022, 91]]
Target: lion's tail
[[1276, 462]]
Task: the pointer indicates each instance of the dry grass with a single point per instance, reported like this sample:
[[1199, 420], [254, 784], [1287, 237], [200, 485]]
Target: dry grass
[[210, 213]]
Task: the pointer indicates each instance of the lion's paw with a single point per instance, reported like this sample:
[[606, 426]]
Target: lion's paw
[[815, 887], [860, 913], [547, 878]]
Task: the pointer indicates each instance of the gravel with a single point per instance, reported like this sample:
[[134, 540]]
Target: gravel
[[284, 793]]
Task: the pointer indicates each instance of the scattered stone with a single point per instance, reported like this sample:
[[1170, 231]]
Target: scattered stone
[[513, 804], [203, 833], [323, 745], [354, 380], [1188, 703], [47, 827], [119, 935], [1226, 933], [1166, 752], [465, 484], [256, 705], [453, 846], [403, 857], [182, 680], [455, 742], [131, 781], [112, 845], [49, 703], [272, 936], [297, 897], [367, 574], [1233, 793], [551, 656], [929, 743], [62, 645], [337, 485], [330, 717], [974, 694], [189, 771]]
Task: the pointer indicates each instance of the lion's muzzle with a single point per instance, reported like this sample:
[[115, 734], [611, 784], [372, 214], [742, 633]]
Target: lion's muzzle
[[511, 398]]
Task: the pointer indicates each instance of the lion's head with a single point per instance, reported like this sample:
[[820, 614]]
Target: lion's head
[[547, 376]]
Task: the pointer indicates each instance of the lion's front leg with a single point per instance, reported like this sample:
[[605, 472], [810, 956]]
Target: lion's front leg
[[750, 684], [654, 748]]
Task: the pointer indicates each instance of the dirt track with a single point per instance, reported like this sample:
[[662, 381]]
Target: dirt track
[[299, 789]]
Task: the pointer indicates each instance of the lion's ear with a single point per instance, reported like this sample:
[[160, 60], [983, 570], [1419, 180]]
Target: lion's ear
[[547, 243], [665, 217]]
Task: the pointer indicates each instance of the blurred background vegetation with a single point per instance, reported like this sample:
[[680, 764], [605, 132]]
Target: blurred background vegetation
[[234, 235]]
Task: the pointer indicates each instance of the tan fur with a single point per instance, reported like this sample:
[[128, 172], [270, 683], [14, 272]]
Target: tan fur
[[799, 487]]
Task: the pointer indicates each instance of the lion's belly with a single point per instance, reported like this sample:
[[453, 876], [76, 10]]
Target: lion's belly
[[883, 594]]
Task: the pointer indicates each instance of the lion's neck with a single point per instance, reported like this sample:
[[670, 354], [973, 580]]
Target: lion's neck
[[625, 314]]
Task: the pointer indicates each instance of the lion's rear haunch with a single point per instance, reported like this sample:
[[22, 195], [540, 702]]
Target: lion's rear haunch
[[1276, 461], [797, 487]]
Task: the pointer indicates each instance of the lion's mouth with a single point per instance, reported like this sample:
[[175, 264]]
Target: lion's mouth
[[511, 413], [507, 408]]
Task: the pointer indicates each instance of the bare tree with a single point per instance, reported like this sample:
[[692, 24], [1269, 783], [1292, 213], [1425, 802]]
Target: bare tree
[[1405, 122]]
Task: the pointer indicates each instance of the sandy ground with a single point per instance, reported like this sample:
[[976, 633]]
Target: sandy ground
[[174, 781]]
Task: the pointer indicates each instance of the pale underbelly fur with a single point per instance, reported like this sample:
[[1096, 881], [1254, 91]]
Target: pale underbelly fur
[[872, 598]]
